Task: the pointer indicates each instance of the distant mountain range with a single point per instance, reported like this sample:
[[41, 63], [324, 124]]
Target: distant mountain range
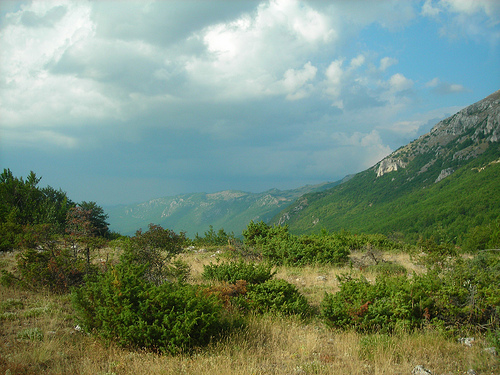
[[194, 213], [444, 184]]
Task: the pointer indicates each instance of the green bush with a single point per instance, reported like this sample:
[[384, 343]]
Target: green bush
[[231, 272], [387, 268], [282, 248], [308, 249], [256, 232], [155, 249], [212, 238], [122, 307], [469, 292], [462, 296], [56, 269], [277, 296]]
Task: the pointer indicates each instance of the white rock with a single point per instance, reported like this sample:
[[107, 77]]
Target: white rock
[[420, 370], [467, 341]]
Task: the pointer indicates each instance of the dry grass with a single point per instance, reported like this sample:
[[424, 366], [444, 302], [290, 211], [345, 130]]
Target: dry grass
[[37, 336]]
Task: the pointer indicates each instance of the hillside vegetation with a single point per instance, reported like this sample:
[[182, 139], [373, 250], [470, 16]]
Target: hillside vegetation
[[195, 213], [443, 185]]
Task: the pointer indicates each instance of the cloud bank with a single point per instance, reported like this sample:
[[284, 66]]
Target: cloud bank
[[202, 96]]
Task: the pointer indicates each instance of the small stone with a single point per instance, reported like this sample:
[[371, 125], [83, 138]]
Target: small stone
[[321, 278], [492, 350], [471, 372], [467, 341], [420, 370]]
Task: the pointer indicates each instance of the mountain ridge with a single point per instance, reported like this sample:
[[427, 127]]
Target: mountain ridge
[[455, 155], [196, 212], [402, 184]]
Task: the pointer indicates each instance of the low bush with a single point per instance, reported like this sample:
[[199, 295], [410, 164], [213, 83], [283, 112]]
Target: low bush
[[231, 272], [372, 307], [122, 307], [302, 250], [387, 268], [57, 270], [457, 298], [155, 249], [279, 297], [282, 248], [212, 238]]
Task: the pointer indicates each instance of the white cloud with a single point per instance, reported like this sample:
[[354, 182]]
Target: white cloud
[[407, 128], [445, 87], [333, 82], [357, 61], [429, 10], [399, 82], [30, 45], [387, 62], [248, 54], [295, 81], [369, 146], [490, 7], [474, 19]]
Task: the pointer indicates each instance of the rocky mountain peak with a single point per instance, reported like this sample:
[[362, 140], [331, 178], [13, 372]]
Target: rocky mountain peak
[[462, 136]]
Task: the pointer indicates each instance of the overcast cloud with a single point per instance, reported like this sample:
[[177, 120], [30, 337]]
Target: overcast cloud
[[123, 101]]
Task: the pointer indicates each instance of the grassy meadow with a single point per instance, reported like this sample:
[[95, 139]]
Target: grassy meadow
[[38, 334]]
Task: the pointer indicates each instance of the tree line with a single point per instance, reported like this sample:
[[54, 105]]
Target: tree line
[[28, 210]]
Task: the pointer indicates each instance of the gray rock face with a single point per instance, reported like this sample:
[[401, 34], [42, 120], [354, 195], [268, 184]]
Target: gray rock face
[[444, 173], [389, 165], [469, 130]]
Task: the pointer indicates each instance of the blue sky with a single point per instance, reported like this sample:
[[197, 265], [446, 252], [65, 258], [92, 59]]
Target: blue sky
[[124, 101]]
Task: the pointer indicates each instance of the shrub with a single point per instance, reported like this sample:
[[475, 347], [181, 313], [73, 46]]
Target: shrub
[[57, 269], [462, 296], [277, 296], [154, 249], [231, 272], [469, 292], [256, 232], [121, 306], [383, 306], [211, 238], [300, 250], [387, 268], [229, 293]]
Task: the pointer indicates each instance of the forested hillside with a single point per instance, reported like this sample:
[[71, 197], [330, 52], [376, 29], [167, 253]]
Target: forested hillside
[[195, 213], [444, 185]]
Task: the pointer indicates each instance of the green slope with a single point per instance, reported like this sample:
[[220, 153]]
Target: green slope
[[449, 208], [195, 213], [444, 184]]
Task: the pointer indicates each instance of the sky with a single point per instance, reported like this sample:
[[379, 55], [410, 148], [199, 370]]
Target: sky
[[124, 101]]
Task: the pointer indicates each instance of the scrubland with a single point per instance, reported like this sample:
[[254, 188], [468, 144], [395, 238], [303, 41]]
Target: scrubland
[[39, 334]]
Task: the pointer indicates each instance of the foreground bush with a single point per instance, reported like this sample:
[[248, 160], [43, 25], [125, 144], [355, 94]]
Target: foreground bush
[[122, 307], [279, 297], [231, 272], [154, 249], [373, 307], [302, 250], [459, 297], [282, 248]]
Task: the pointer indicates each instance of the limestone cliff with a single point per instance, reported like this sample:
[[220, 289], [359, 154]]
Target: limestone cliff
[[460, 137]]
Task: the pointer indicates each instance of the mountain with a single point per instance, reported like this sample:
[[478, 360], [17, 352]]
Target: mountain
[[194, 213], [446, 184]]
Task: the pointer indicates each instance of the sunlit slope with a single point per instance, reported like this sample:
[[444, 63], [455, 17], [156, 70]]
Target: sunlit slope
[[444, 184]]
